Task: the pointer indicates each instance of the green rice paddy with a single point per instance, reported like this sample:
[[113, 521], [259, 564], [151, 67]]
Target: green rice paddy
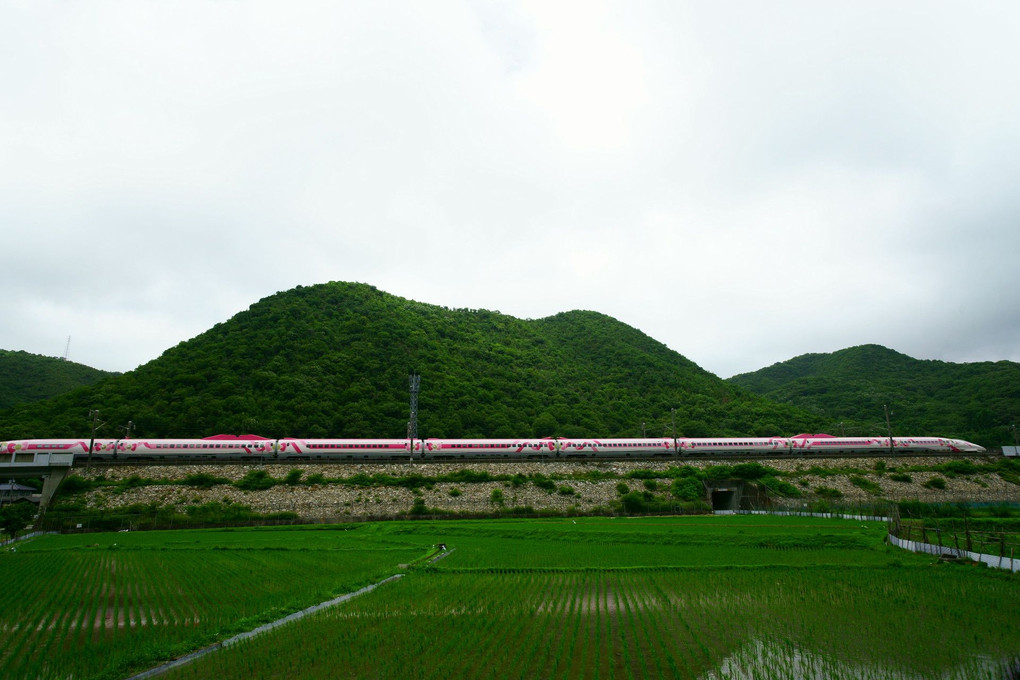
[[687, 597]]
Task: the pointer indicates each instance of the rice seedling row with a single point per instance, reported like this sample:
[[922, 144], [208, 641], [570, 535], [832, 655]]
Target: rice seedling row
[[877, 612], [592, 601], [94, 610]]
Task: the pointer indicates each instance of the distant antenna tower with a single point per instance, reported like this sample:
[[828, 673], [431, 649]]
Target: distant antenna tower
[[67, 348]]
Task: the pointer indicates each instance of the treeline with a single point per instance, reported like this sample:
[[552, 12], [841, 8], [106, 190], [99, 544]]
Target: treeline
[[332, 360], [26, 378], [850, 389]]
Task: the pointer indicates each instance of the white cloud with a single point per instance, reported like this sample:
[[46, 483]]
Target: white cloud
[[742, 181]]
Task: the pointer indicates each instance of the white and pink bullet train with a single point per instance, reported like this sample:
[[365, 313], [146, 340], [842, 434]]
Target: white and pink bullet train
[[256, 448]]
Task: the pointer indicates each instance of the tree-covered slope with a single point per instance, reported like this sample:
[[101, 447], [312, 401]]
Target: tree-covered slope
[[977, 401], [333, 360], [28, 377]]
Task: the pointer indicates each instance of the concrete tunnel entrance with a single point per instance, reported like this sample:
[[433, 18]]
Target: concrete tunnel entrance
[[725, 496]]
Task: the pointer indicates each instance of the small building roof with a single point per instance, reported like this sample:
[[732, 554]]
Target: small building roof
[[11, 487]]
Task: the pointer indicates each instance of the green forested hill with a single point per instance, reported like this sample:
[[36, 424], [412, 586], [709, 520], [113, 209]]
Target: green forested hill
[[333, 360], [977, 401], [28, 377]]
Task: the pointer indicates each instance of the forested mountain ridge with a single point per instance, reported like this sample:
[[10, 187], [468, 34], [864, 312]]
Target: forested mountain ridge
[[333, 360], [974, 401], [26, 377]]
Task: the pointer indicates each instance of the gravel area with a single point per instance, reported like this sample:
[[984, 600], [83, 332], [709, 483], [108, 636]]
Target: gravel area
[[338, 500]]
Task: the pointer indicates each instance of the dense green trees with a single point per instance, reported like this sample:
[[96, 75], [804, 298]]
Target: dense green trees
[[15, 517], [28, 377], [333, 360], [851, 387]]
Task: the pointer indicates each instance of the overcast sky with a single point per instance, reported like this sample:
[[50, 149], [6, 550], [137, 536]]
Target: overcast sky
[[743, 181]]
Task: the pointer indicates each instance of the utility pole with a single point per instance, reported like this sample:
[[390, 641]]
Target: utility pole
[[94, 414], [127, 434], [888, 427], [412, 424], [676, 445]]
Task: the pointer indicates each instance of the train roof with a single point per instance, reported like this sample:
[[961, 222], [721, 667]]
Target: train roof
[[235, 437]]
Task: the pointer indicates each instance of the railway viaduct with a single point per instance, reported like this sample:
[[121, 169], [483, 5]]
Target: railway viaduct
[[52, 467]]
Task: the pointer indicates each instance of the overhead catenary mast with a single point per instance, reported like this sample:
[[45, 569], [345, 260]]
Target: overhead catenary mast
[[888, 427], [412, 424]]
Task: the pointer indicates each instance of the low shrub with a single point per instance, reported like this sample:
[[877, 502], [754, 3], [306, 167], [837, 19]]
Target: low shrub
[[866, 484], [543, 482], [753, 471], [203, 480], [958, 467], [687, 489], [828, 492], [256, 480], [1010, 476], [134, 482], [718, 472], [73, 484], [780, 487]]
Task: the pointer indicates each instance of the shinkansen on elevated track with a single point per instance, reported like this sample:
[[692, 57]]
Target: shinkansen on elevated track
[[256, 448]]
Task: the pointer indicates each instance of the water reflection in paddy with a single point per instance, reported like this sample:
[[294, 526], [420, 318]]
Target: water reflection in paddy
[[782, 660]]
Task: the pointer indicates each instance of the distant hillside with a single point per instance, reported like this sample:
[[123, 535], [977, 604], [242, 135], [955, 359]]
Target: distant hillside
[[333, 360], [978, 401], [28, 377]]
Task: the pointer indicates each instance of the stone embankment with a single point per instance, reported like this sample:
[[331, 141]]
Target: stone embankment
[[332, 500]]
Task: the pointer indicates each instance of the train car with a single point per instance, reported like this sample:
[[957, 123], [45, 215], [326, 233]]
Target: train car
[[935, 445], [33, 446], [826, 444], [734, 445], [217, 447], [293, 448], [519, 449], [615, 448]]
